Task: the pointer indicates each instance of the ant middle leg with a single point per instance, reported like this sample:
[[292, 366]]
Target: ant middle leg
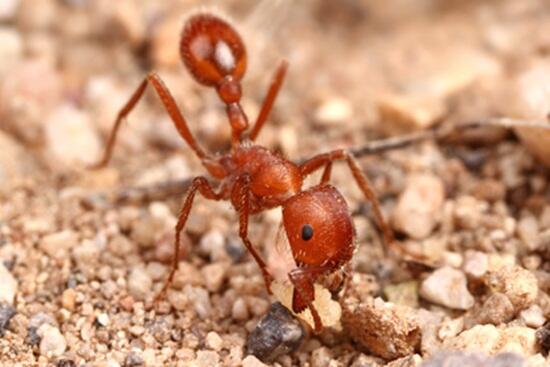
[[242, 189], [201, 185], [169, 104], [276, 83]]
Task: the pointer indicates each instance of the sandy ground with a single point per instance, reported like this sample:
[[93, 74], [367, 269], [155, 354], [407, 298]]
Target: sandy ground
[[79, 270]]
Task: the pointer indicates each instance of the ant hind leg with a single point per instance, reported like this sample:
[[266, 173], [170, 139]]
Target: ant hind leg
[[169, 104]]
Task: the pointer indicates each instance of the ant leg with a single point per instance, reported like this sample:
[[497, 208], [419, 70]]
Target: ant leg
[[269, 99], [203, 186], [303, 296], [321, 160], [169, 104], [325, 159], [313, 164], [326, 174], [242, 189]]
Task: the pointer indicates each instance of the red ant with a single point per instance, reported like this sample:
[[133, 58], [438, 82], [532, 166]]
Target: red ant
[[316, 220]]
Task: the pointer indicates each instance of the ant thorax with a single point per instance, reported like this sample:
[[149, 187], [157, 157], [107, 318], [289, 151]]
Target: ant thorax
[[273, 179]]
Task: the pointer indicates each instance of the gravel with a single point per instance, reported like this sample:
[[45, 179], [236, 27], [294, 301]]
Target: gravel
[[6, 314], [8, 286], [278, 333], [447, 286]]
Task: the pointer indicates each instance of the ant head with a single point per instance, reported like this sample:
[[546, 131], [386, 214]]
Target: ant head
[[319, 227], [214, 53]]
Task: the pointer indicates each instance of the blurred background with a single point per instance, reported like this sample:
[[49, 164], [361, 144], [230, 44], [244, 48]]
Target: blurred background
[[359, 69]]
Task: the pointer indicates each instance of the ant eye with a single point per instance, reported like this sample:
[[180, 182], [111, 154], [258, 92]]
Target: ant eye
[[307, 232]]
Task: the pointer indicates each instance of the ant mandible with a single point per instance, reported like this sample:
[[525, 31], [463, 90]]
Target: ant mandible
[[316, 220]]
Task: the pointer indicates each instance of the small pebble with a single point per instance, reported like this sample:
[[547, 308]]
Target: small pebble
[[531, 101], [239, 311], [334, 111], [321, 357], [139, 283], [12, 46], [52, 343], [496, 309], [8, 9], [71, 138], [8, 286], [483, 338], [133, 359], [57, 245], [103, 319], [68, 299], [533, 316], [214, 341], [476, 264], [207, 358], [518, 284], [6, 314], [251, 361], [277, 333], [200, 300], [418, 208], [214, 276], [405, 293], [387, 330], [528, 231], [473, 359], [447, 287]]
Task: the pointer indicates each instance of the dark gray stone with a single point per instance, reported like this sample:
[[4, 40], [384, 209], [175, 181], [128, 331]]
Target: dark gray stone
[[6, 314], [278, 333]]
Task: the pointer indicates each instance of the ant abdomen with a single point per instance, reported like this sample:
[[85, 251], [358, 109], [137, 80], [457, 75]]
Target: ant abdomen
[[213, 52]]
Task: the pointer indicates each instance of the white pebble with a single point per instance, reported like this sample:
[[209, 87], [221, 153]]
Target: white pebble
[[8, 286], [214, 275], [214, 341], [419, 206], [56, 245], [333, 111], [528, 231], [251, 361], [53, 343], [139, 283], [533, 316], [207, 358], [476, 263], [103, 319], [447, 286], [200, 299], [71, 138], [8, 9], [239, 311]]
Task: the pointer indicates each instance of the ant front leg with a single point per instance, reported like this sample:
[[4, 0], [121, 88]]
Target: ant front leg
[[242, 192], [325, 160], [269, 99], [169, 104], [303, 279], [199, 184]]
